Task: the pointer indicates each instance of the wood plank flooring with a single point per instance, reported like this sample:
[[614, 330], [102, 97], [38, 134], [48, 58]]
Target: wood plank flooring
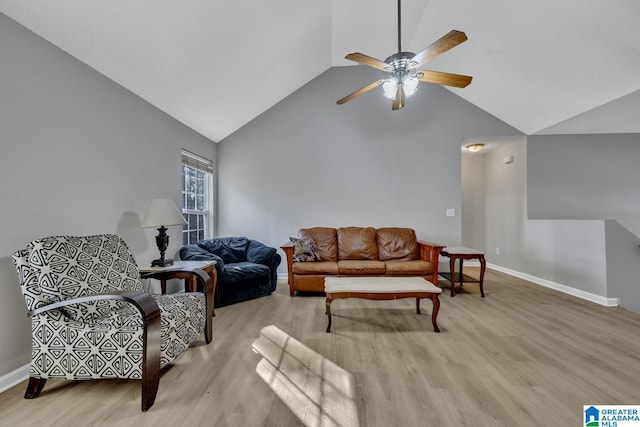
[[523, 356]]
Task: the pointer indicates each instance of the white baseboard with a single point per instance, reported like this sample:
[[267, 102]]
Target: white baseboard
[[607, 302], [14, 377]]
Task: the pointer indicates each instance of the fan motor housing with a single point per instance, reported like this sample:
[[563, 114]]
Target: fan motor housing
[[401, 61]]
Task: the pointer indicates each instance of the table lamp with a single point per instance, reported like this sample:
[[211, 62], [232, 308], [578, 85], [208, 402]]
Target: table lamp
[[162, 212]]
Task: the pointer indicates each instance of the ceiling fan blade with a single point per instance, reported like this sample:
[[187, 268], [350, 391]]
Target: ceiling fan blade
[[361, 58], [398, 101], [359, 92], [449, 79], [446, 42]]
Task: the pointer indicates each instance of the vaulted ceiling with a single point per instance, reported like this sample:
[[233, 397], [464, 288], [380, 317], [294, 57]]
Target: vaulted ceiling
[[545, 66]]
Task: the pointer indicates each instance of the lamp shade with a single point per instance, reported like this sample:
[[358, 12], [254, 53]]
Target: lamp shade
[[162, 212]]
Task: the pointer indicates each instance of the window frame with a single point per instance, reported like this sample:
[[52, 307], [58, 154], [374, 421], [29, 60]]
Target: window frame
[[205, 166]]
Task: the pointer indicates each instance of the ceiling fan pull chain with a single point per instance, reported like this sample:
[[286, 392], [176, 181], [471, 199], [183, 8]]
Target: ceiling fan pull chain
[[399, 45]]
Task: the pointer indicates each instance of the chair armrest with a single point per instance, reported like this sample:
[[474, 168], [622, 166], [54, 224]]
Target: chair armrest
[[259, 253], [431, 252], [141, 300], [287, 248]]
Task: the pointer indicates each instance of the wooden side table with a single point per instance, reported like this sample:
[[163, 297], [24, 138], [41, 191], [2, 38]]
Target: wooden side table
[[186, 270], [461, 253]]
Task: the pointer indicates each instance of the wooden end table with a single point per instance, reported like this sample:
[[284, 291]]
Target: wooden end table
[[461, 253], [383, 288], [185, 270]]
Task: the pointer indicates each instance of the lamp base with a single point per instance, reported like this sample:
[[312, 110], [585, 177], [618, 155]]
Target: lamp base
[[161, 262]]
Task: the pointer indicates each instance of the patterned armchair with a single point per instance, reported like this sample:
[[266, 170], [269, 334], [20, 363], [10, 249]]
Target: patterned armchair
[[91, 319]]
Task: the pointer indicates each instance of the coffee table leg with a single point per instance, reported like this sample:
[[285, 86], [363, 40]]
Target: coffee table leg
[[434, 313], [329, 313], [418, 306]]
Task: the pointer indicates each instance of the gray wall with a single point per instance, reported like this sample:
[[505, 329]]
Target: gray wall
[[80, 155], [473, 200], [560, 253], [309, 162], [623, 268], [585, 177], [593, 177]]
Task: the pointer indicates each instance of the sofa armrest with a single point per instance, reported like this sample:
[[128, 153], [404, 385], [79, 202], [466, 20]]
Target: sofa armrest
[[287, 248], [259, 253], [431, 252], [196, 253]]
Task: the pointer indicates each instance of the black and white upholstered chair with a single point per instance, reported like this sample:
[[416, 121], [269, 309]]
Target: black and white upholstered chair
[[91, 319]]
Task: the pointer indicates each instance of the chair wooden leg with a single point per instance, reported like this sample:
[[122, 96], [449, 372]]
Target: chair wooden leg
[[34, 387], [151, 362], [150, 390]]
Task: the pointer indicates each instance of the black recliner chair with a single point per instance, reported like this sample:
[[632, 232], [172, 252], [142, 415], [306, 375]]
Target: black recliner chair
[[246, 268]]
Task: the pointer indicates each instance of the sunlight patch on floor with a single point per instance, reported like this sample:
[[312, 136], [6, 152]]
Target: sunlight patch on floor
[[319, 392]]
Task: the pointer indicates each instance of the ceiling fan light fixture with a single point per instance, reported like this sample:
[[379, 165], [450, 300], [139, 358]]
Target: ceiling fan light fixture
[[410, 85], [389, 87], [474, 148]]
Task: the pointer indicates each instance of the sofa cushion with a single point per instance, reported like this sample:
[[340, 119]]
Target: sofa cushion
[[326, 241], [361, 267], [409, 268], [304, 249], [358, 243], [320, 267], [238, 271], [230, 249], [397, 244]]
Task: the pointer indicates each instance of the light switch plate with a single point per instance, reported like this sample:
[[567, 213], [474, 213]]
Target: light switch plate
[[451, 212]]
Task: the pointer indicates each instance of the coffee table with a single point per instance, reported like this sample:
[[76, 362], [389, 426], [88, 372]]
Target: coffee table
[[382, 288]]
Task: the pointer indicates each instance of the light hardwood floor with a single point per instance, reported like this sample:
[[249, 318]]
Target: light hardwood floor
[[523, 356]]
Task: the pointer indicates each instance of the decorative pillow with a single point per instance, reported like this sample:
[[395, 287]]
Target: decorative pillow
[[304, 249]]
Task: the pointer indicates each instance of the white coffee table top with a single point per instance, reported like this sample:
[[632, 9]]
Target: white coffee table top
[[379, 284], [461, 250]]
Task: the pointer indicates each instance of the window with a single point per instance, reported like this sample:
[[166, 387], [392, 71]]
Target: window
[[197, 198]]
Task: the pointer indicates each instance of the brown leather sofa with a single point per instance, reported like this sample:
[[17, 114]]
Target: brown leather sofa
[[362, 251]]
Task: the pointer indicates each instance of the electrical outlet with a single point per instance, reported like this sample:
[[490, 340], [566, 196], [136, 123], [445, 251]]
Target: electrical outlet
[[451, 212], [497, 251]]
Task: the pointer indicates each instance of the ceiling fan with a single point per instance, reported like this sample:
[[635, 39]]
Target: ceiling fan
[[401, 74]]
